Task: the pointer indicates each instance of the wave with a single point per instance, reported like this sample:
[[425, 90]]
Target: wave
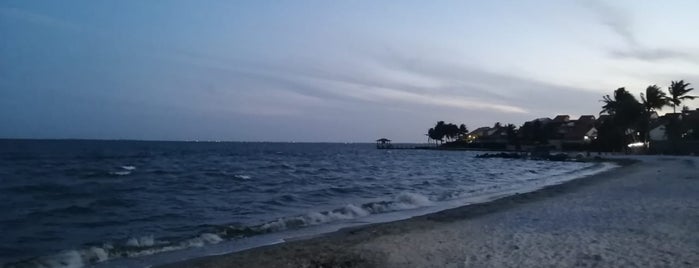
[[125, 170], [120, 173], [243, 177], [148, 245], [133, 247], [403, 201]]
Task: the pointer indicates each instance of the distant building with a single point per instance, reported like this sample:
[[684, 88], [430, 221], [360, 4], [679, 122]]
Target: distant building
[[658, 131], [572, 134], [691, 124], [603, 118], [561, 119], [562, 133], [478, 133], [658, 127], [580, 133], [495, 134], [687, 142]]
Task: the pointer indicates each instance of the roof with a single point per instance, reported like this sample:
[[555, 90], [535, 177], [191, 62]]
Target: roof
[[669, 116], [586, 118], [692, 115], [561, 118], [543, 120], [656, 123], [580, 129], [603, 117], [383, 140], [501, 131], [481, 131], [663, 120]]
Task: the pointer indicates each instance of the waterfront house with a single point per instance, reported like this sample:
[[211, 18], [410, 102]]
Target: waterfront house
[[579, 133], [478, 133], [658, 128]]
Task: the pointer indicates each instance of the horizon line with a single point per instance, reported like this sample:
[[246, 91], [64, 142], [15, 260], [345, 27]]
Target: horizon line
[[202, 141]]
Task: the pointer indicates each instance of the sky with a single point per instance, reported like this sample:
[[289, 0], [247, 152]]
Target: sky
[[326, 71]]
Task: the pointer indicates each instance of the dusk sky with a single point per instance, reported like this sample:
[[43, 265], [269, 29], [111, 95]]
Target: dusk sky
[[338, 71]]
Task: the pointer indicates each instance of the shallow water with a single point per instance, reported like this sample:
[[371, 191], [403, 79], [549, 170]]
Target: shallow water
[[74, 203]]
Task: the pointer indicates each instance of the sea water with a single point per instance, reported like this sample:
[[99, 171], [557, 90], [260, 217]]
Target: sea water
[[123, 203]]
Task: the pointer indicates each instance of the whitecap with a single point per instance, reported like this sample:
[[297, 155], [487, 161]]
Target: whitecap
[[357, 211], [210, 238], [97, 254], [403, 201], [412, 200], [128, 167], [143, 241], [120, 173], [243, 177]]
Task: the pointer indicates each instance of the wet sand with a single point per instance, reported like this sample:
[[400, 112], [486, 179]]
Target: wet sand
[[645, 214]]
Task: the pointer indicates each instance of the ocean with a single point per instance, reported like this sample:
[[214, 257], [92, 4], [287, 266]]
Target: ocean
[[77, 203]]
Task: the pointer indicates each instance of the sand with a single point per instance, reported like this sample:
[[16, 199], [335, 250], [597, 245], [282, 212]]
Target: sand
[[644, 214]]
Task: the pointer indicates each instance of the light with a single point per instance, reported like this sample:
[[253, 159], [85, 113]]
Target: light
[[586, 138], [635, 144]]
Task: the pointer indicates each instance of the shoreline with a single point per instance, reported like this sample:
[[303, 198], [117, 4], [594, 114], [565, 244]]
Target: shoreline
[[307, 248], [376, 245]]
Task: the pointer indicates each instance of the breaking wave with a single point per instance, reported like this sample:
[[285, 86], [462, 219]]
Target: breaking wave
[[148, 245], [133, 247]]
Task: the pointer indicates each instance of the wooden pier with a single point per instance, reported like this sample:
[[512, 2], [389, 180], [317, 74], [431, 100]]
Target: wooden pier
[[385, 143]]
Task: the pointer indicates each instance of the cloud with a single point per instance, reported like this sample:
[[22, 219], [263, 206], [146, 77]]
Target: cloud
[[616, 19], [375, 87], [455, 102], [433, 83], [651, 54], [396, 82], [369, 92], [621, 23]]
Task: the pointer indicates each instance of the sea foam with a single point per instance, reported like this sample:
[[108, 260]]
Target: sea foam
[[132, 247]]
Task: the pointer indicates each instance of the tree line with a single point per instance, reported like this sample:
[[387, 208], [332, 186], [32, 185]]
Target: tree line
[[628, 116], [629, 120], [449, 132]]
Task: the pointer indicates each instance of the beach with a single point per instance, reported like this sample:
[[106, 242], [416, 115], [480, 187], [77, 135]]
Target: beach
[[644, 214]]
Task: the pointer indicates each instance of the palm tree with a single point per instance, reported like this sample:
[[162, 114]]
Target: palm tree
[[623, 104], [433, 134], [429, 135], [463, 130], [612, 105], [654, 99], [512, 134], [626, 114], [452, 131], [440, 131], [678, 93]]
